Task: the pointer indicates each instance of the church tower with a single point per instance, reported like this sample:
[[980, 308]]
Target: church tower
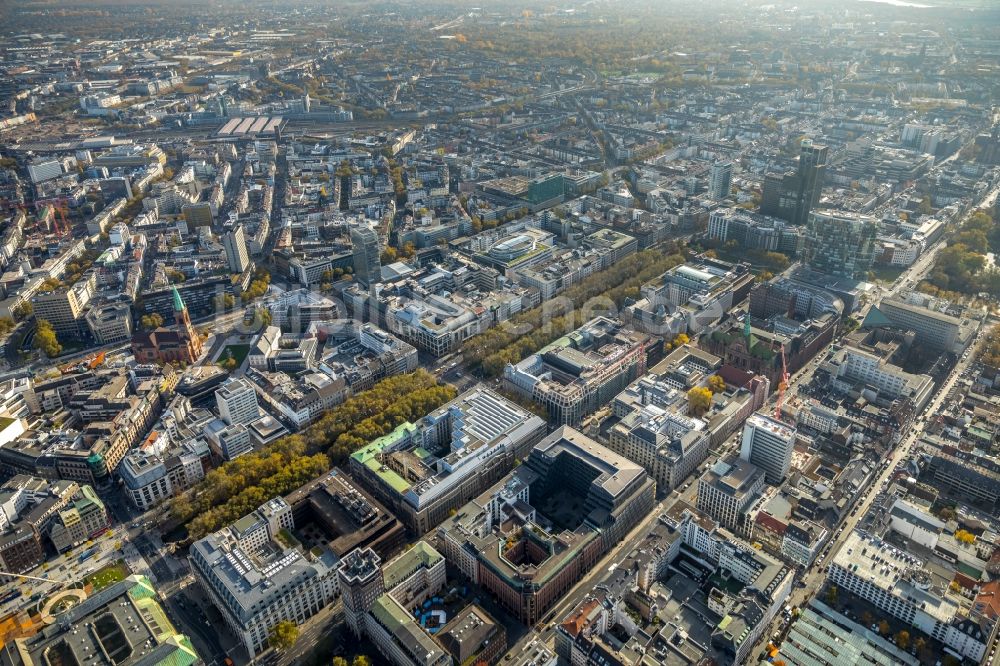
[[184, 328]]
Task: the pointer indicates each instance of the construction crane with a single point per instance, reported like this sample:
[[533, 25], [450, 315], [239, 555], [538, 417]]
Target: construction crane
[[59, 208], [782, 385]]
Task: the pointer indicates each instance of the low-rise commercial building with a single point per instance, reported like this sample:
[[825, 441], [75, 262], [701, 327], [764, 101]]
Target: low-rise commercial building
[[124, 621]]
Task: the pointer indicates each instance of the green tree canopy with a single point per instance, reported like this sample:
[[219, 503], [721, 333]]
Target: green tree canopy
[[283, 635]]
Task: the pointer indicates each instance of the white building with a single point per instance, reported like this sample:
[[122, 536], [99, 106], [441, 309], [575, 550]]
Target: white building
[[150, 477], [899, 584], [237, 402], [235, 244], [257, 575], [768, 444]]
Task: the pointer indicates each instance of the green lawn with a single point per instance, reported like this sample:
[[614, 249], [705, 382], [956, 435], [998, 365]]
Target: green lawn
[[107, 576], [239, 353]]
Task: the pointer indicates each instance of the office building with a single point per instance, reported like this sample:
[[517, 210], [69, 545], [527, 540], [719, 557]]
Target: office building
[[367, 262], [150, 478], [852, 368], [753, 231], [198, 214], [580, 372], [792, 195], [237, 402], [728, 492], [689, 297], [748, 614], [235, 243], [123, 624], [531, 536], [65, 307], [295, 310], [720, 180], [899, 583], [111, 322], [233, 441], [361, 583], [377, 600], [840, 244], [473, 636], [338, 510], [84, 518], [257, 573], [768, 444], [938, 326], [422, 471]]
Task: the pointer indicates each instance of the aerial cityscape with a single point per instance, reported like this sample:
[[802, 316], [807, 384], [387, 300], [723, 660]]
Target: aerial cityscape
[[584, 333]]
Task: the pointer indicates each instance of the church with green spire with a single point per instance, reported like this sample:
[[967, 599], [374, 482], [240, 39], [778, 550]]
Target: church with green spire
[[179, 343]]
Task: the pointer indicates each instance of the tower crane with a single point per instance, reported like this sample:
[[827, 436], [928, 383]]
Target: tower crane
[[782, 385]]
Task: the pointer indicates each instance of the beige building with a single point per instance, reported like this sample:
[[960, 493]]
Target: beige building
[[64, 307], [83, 519]]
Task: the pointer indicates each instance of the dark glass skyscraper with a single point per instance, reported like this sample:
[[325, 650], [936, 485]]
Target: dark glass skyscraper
[[792, 195]]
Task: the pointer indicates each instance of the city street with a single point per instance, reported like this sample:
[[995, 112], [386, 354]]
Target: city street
[[814, 577]]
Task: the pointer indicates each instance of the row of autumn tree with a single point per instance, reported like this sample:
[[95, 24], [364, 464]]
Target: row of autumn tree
[[239, 486], [529, 331], [962, 268]]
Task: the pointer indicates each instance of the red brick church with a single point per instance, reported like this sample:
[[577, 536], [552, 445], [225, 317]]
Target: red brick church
[[180, 343]]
